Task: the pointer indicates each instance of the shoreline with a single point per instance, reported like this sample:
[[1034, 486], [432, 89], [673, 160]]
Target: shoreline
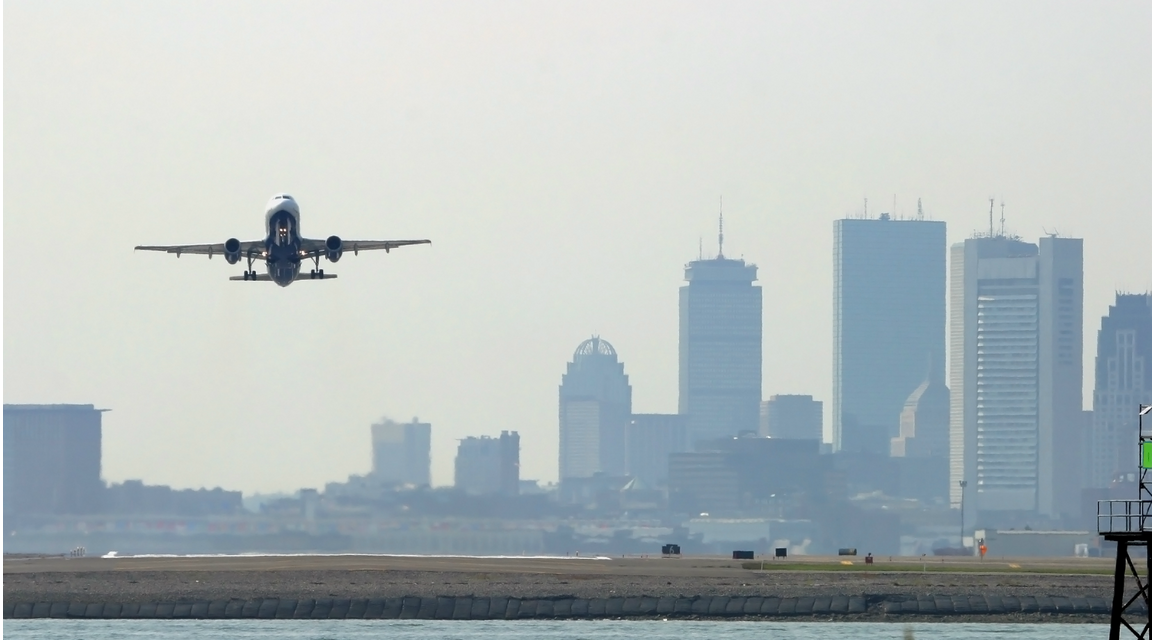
[[477, 588]]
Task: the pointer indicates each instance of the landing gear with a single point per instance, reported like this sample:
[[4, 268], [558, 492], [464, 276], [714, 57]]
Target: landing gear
[[317, 273], [250, 273]]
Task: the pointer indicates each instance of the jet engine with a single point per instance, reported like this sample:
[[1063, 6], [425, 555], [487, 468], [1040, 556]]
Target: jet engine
[[232, 251], [333, 248]]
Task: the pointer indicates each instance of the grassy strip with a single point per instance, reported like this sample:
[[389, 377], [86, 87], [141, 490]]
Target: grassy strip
[[908, 567]]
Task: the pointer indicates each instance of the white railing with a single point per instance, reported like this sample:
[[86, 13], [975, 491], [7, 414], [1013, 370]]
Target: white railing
[[1123, 516]]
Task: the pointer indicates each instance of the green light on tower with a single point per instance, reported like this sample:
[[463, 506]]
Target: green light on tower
[[1146, 455]]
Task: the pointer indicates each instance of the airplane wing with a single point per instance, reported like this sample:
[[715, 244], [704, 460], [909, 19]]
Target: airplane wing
[[314, 246], [203, 249]]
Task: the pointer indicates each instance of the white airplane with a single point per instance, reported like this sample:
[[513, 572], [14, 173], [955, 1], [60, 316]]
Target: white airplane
[[283, 248]]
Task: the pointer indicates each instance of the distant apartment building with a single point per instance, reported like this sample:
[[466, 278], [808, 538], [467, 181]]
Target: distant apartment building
[[792, 417], [1016, 375], [721, 347], [649, 438], [749, 474], [1123, 383], [888, 323], [402, 452], [595, 408], [486, 465], [133, 497], [52, 459]]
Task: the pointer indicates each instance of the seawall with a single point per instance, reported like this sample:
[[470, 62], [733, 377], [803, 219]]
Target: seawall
[[863, 607]]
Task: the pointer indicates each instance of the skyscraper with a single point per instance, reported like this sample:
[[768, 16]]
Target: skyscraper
[[1016, 374], [792, 417], [52, 459], [402, 453], [1123, 383], [888, 323], [487, 465], [924, 421], [721, 347], [595, 406], [649, 439]]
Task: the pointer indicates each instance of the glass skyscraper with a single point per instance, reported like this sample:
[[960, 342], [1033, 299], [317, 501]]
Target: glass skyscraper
[[721, 348], [887, 324], [1123, 383]]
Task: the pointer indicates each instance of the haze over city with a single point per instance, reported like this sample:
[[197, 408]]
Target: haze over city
[[566, 160]]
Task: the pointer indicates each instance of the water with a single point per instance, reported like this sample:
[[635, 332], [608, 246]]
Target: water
[[532, 630]]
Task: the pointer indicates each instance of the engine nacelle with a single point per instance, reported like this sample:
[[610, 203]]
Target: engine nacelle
[[232, 251], [333, 248]]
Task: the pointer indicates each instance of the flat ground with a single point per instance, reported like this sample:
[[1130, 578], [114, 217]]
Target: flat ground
[[129, 580]]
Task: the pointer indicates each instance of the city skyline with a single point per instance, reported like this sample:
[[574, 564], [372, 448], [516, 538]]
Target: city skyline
[[565, 160]]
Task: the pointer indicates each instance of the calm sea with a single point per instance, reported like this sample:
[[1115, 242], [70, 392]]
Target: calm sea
[[494, 629]]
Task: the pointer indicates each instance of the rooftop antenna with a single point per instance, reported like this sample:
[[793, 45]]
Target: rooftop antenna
[[865, 208], [1001, 217], [700, 252], [991, 228], [919, 210], [721, 256]]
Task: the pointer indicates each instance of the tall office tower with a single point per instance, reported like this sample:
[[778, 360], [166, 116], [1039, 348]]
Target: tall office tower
[[51, 459], [595, 406], [649, 439], [487, 465], [792, 417], [721, 347], [1123, 383], [1016, 374], [888, 318], [924, 421], [402, 453]]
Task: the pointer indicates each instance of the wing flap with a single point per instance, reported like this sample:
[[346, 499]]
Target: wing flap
[[316, 247], [202, 249]]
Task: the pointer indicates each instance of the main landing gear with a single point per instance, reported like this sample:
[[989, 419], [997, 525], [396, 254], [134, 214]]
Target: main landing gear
[[250, 273], [317, 273]]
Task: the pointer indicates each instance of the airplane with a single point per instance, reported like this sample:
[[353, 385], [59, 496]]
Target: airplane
[[283, 248]]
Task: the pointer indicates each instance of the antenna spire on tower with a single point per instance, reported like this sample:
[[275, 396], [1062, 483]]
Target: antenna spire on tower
[[919, 210], [1001, 217], [721, 227], [991, 227]]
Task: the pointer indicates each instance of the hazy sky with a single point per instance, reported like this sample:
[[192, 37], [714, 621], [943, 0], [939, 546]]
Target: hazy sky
[[565, 159]]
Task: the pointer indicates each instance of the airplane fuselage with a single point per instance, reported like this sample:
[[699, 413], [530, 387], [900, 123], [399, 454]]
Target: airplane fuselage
[[282, 243]]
